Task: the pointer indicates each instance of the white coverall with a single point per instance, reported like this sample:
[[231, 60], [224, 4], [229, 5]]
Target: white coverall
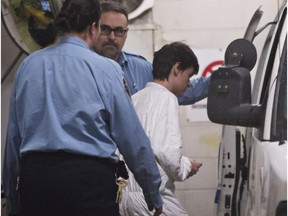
[[157, 109]]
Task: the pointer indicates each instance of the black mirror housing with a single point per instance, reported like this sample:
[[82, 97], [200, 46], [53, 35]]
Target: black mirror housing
[[229, 98]]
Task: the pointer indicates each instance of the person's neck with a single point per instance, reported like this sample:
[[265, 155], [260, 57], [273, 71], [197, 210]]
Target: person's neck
[[165, 83], [83, 36], [117, 58]]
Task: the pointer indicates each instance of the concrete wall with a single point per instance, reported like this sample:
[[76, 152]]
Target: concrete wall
[[202, 24]]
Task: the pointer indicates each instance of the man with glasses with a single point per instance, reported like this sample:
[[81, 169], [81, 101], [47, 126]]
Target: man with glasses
[[137, 70]]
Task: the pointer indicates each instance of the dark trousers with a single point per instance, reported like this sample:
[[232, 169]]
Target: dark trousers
[[62, 184]]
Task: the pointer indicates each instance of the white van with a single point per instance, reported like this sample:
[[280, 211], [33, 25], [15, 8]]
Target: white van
[[252, 175]]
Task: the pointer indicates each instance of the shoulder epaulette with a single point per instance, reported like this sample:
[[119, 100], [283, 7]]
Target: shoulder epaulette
[[134, 55]]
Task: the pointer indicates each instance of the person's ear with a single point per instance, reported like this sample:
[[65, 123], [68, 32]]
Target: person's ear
[[94, 28], [176, 68]]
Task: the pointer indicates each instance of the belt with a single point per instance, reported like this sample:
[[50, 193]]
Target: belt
[[37, 155]]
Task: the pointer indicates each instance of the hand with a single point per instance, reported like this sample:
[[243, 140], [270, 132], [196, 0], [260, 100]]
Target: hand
[[158, 211], [151, 207], [195, 166]]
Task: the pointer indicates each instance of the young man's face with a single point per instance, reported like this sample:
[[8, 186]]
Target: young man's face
[[110, 44], [182, 82]]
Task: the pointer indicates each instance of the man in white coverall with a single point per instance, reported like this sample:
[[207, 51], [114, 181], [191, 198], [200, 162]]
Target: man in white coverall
[[157, 108]]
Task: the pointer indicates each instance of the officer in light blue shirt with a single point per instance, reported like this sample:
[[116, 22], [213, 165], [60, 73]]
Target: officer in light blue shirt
[[137, 70], [69, 113]]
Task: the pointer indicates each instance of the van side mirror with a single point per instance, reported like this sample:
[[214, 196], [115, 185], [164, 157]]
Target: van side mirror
[[229, 98], [229, 94]]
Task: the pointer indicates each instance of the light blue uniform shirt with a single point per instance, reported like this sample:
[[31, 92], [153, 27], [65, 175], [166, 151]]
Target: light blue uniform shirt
[[138, 72], [66, 97]]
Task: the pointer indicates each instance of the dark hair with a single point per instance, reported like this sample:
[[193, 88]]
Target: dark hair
[[77, 15], [108, 6], [170, 54]]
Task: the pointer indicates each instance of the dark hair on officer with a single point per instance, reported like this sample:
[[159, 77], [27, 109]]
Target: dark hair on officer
[[170, 54], [77, 15], [108, 6]]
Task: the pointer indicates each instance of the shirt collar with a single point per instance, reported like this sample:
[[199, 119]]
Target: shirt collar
[[122, 59], [74, 40]]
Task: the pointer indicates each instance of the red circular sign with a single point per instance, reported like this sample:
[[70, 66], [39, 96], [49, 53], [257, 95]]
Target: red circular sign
[[210, 68]]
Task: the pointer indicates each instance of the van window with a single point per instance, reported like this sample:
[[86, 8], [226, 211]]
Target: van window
[[279, 121], [277, 30]]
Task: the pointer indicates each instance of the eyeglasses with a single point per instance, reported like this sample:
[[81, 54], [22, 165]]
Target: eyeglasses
[[119, 31]]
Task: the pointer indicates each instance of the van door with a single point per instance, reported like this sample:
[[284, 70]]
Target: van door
[[259, 184], [233, 154]]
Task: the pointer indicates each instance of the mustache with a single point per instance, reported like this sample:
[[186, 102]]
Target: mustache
[[110, 44]]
